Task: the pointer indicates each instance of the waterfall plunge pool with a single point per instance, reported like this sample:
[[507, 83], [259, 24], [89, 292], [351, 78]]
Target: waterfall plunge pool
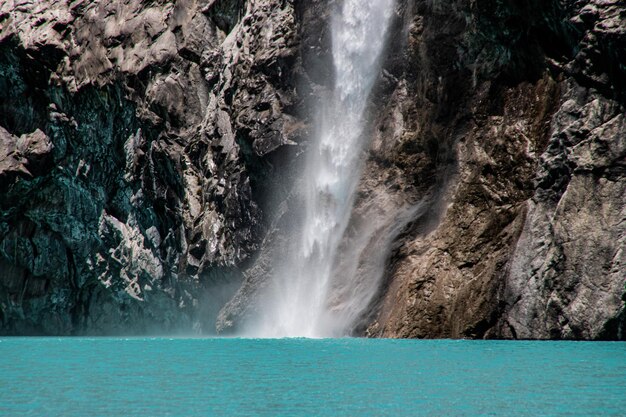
[[307, 377]]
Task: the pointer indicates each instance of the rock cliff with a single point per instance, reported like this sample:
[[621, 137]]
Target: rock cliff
[[149, 150], [134, 136], [516, 112]]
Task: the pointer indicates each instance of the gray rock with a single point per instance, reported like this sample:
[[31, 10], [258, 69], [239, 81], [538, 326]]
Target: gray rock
[[127, 131]]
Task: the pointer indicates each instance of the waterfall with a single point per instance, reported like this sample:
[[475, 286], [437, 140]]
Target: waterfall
[[299, 305]]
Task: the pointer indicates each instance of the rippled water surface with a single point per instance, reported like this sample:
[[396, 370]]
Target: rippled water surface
[[299, 377]]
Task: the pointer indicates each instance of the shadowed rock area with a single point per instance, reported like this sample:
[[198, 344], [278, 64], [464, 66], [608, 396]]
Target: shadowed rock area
[[133, 137], [150, 150]]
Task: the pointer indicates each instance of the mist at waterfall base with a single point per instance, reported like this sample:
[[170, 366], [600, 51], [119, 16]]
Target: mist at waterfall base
[[77, 377], [303, 296]]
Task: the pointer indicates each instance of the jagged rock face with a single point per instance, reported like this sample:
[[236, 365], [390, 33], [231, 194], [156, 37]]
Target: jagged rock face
[[486, 114], [141, 143], [314, 77], [524, 121], [131, 133]]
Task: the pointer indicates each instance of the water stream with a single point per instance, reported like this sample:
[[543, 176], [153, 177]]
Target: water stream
[[333, 168]]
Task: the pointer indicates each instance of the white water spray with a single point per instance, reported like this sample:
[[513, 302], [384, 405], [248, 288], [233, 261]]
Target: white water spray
[[300, 303]]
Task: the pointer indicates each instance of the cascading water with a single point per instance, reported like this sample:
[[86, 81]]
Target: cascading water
[[300, 303]]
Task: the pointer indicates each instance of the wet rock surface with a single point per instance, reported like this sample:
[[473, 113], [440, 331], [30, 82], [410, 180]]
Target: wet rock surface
[[149, 153], [525, 238]]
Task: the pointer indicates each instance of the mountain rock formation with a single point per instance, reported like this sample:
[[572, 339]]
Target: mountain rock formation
[[149, 152]]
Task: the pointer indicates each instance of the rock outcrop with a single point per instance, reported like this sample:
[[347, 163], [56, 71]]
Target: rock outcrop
[[149, 150], [133, 136], [520, 113]]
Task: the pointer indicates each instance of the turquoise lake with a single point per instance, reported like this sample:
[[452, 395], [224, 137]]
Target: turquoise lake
[[301, 377]]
